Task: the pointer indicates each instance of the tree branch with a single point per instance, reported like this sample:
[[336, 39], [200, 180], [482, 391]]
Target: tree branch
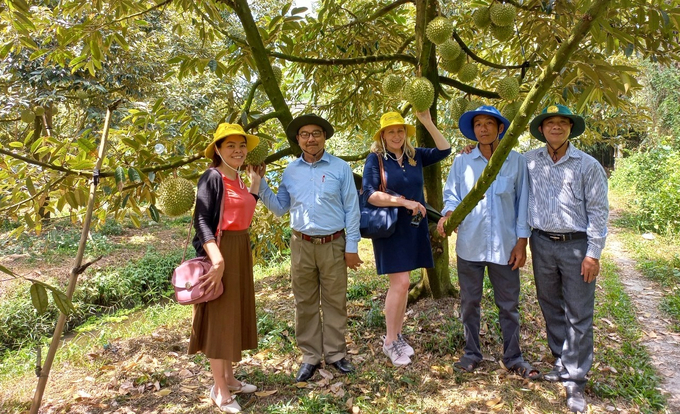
[[261, 120], [467, 88], [347, 61], [46, 188], [180, 162], [251, 95], [381, 12], [486, 62], [161, 4]]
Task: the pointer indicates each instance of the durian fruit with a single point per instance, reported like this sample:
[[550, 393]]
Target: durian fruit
[[508, 88], [257, 155], [27, 116], [176, 196], [453, 66], [420, 93], [468, 72], [502, 14], [501, 33], [392, 84], [449, 50], [439, 30], [482, 17], [457, 107], [278, 74], [511, 110], [472, 105], [39, 110]]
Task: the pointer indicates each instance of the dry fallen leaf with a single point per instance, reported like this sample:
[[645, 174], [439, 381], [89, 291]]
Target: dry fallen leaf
[[265, 393], [163, 392], [326, 374]]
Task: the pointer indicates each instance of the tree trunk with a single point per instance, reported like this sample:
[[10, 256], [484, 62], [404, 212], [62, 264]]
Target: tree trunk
[[435, 282]]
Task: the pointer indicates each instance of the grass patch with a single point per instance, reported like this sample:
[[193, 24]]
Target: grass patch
[[657, 256], [617, 347], [138, 283]]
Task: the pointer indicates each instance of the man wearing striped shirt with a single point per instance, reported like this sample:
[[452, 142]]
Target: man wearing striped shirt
[[568, 212]]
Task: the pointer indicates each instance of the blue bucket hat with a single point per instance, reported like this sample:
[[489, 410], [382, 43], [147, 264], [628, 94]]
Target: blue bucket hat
[[465, 121], [557, 110]]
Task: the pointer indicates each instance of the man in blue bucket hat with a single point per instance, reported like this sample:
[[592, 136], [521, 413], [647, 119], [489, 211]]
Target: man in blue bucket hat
[[492, 237], [568, 212]]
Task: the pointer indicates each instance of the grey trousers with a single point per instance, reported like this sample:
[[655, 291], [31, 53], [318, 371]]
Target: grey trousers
[[319, 279], [505, 282], [567, 303]]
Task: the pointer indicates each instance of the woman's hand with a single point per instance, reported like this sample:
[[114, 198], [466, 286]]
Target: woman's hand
[[424, 117], [467, 149], [212, 279], [415, 207], [254, 173]]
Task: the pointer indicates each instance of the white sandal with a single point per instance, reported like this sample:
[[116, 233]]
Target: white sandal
[[229, 406], [243, 388]]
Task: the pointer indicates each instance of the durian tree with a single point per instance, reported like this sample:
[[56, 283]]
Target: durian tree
[[261, 63]]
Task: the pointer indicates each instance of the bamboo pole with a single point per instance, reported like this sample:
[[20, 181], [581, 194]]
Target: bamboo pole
[[59, 329]]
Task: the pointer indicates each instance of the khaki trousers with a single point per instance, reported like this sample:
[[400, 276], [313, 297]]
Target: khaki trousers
[[319, 279]]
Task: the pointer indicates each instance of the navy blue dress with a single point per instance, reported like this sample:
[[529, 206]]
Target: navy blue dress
[[409, 247]]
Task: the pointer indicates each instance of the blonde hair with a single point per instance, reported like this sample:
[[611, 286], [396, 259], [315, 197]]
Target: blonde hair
[[378, 146]]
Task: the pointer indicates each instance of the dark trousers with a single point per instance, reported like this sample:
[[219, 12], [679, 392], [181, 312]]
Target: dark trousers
[[567, 303], [505, 282]]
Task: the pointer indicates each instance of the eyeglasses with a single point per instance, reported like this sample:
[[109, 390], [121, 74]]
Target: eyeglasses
[[306, 134]]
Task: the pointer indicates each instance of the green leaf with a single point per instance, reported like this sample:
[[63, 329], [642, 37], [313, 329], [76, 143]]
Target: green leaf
[[63, 302], [29, 185], [3, 269], [16, 144], [20, 5], [39, 297], [153, 211], [133, 175], [120, 177]]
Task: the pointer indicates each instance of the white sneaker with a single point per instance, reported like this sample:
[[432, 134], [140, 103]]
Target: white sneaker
[[408, 349], [396, 353], [229, 406]]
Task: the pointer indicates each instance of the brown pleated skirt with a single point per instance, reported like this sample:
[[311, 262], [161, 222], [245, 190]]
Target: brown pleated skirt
[[222, 328]]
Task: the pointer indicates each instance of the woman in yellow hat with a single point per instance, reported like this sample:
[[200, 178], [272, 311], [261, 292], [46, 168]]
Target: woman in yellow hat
[[409, 247], [222, 328]]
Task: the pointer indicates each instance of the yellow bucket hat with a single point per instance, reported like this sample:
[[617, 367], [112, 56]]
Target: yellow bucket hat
[[394, 118], [223, 131]]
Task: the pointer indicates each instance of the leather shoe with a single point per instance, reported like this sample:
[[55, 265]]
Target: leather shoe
[[306, 372], [555, 374], [576, 401], [343, 366]]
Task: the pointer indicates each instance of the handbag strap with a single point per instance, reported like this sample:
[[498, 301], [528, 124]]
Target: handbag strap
[[383, 178], [219, 223]]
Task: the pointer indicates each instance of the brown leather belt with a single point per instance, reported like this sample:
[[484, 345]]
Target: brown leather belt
[[319, 239], [578, 235]]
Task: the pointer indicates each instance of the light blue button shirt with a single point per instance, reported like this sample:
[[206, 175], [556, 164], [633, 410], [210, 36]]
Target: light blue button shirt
[[490, 231], [321, 197]]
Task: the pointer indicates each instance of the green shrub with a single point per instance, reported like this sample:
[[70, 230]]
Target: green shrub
[[651, 180], [137, 283]]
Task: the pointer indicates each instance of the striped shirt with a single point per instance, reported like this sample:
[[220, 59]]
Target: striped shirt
[[569, 195]]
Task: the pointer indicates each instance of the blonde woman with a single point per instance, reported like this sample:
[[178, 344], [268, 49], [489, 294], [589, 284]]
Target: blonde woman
[[409, 247]]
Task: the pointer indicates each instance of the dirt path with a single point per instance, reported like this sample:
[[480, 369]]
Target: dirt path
[[663, 344]]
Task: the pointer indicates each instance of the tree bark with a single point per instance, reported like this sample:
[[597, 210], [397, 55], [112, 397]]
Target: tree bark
[[436, 282]]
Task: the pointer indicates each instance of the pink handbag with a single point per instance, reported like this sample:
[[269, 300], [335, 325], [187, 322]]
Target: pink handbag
[[185, 278]]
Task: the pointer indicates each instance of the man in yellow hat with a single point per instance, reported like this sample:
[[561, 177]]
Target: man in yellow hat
[[318, 189], [568, 212]]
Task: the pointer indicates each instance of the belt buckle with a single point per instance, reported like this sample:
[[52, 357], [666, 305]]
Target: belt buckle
[[316, 240], [556, 237]]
